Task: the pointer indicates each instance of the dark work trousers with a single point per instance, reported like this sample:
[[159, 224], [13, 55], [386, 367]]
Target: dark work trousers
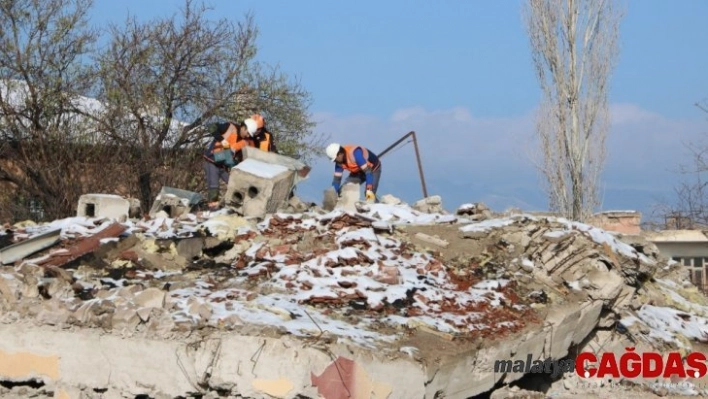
[[360, 178], [213, 175]]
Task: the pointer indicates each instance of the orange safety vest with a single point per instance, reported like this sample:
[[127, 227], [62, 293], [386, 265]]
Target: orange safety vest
[[230, 135], [349, 160], [265, 144]]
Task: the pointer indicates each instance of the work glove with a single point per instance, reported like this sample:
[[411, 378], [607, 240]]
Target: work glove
[[370, 196]]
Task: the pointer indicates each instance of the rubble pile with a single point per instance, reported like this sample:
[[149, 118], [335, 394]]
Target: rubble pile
[[407, 284]]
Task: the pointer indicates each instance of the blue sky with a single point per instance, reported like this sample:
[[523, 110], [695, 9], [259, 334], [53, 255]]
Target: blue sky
[[459, 73]]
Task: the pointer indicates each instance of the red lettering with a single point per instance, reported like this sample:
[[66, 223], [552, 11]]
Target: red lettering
[[608, 365], [580, 365], [697, 362], [674, 366], [630, 364], [650, 359]]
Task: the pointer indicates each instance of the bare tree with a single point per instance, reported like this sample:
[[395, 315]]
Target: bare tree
[[689, 210], [43, 44], [574, 45], [163, 80]]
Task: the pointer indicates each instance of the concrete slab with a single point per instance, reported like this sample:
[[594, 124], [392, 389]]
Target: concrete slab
[[104, 206], [302, 170]]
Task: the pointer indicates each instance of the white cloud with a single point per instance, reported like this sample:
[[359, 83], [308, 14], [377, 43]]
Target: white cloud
[[467, 158], [623, 113]]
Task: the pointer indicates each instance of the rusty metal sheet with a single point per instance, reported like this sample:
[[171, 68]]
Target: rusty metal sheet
[[85, 246]]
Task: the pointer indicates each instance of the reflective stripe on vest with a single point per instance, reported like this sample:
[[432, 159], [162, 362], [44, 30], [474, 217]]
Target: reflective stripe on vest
[[350, 162]]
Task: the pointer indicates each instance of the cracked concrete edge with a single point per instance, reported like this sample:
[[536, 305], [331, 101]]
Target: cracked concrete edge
[[469, 375], [253, 367]]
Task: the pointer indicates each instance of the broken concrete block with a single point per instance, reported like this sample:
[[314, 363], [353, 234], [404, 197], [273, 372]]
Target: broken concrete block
[[150, 298], [257, 188], [144, 314], [432, 204], [295, 205], [198, 309], [389, 199], [477, 211], [104, 206], [432, 240], [350, 194], [330, 199], [169, 206], [7, 293], [190, 248], [136, 210], [126, 318], [174, 202], [223, 227], [53, 312]]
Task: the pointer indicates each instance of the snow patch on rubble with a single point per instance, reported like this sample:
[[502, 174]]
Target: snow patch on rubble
[[430, 292], [667, 324], [597, 235], [260, 168], [70, 227], [668, 287], [403, 214], [270, 310], [491, 284], [487, 225], [602, 237], [528, 263], [556, 234], [364, 270]]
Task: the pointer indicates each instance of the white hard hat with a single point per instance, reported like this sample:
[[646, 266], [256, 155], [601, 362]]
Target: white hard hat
[[251, 126], [332, 151]]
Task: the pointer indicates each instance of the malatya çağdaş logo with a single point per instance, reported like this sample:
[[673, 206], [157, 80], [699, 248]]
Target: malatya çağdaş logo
[[630, 364]]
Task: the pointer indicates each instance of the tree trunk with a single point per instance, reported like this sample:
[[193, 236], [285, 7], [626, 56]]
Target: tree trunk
[[145, 188]]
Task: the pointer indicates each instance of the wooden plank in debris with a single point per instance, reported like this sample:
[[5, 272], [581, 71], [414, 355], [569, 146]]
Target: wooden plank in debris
[[432, 240], [85, 246]]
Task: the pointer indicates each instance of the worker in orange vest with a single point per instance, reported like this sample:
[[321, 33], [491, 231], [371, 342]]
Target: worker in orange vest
[[220, 156], [363, 165], [262, 138]]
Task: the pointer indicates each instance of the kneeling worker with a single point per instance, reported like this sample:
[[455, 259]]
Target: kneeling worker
[[221, 154], [362, 164]]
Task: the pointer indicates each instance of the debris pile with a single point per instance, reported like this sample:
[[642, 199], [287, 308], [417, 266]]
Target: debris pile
[[388, 282]]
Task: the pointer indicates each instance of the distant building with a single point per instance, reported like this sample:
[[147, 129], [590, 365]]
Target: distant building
[[625, 222], [689, 247]]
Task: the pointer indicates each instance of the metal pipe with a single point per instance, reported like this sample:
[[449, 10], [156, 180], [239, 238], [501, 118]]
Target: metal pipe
[[417, 158], [420, 165], [389, 148]]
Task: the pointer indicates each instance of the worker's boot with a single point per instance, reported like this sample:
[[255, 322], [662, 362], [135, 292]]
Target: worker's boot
[[213, 195]]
